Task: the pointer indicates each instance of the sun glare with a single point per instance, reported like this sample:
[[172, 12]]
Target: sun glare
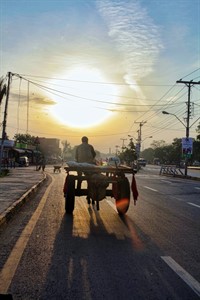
[[81, 100]]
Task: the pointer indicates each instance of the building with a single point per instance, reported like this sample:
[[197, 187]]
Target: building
[[50, 148], [12, 151]]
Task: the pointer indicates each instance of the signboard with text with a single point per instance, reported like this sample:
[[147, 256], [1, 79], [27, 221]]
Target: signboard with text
[[137, 149], [187, 147], [8, 143]]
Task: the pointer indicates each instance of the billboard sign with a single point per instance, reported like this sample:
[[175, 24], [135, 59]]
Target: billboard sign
[[187, 147], [137, 149], [8, 143]]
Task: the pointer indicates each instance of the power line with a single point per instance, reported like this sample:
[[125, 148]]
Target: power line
[[52, 91], [191, 73], [89, 81], [154, 104], [119, 104], [155, 113]]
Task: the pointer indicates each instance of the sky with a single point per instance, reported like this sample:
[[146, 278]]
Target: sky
[[101, 68]]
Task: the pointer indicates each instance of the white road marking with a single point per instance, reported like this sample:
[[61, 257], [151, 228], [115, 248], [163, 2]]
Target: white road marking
[[198, 188], [10, 267], [177, 199], [167, 181], [185, 276], [147, 187], [193, 204]]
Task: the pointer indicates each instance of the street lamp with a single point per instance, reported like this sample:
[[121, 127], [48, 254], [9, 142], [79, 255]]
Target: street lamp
[[167, 113], [187, 135], [132, 137], [148, 137]]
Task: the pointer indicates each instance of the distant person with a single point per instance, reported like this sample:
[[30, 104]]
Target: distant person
[[85, 152], [42, 163]]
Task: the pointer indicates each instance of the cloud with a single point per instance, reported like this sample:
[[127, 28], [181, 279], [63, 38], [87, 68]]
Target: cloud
[[134, 35], [39, 100]]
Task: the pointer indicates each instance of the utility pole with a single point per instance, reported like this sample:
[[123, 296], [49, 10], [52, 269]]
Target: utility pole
[[5, 119], [123, 143], [116, 149], [27, 119], [139, 137], [189, 84]]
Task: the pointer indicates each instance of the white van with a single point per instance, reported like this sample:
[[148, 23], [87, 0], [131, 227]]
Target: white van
[[113, 161], [142, 162], [23, 161]]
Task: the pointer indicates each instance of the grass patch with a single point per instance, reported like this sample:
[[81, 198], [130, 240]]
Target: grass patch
[[4, 172]]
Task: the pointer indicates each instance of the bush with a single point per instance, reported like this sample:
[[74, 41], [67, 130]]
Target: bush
[[4, 172]]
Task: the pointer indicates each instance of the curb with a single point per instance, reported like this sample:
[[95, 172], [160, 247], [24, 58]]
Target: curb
[[181, 176], [11, 210]]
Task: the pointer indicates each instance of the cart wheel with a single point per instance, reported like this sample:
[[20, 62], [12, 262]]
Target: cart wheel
[[121, 192], [70, 195]]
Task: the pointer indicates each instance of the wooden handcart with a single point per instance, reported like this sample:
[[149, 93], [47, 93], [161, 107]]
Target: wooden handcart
[[57, 169], [101, 181]]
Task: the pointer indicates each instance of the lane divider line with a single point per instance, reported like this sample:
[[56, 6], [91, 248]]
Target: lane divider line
[[184, 275], [147, 187], [193, 204], [166, 181]]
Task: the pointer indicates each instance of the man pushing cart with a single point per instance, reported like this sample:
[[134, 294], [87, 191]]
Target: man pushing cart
[[99, 179]]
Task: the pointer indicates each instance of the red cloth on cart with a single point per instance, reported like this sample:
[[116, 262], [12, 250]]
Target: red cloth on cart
[[134, 189]]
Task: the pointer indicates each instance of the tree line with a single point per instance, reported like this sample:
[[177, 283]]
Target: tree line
[[172, 153], [165, 153]]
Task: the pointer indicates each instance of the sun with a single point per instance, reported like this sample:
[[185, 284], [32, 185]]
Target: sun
[[84, 99]]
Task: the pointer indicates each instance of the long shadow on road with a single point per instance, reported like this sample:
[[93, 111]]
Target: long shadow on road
[[103, 265]]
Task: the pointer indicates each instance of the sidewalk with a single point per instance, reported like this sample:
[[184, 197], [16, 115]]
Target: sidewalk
[[16, 188]]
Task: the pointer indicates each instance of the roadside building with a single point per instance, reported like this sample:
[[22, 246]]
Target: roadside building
[[50, 148]]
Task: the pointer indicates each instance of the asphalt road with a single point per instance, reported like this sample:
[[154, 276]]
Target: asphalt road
[[151, 253]]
